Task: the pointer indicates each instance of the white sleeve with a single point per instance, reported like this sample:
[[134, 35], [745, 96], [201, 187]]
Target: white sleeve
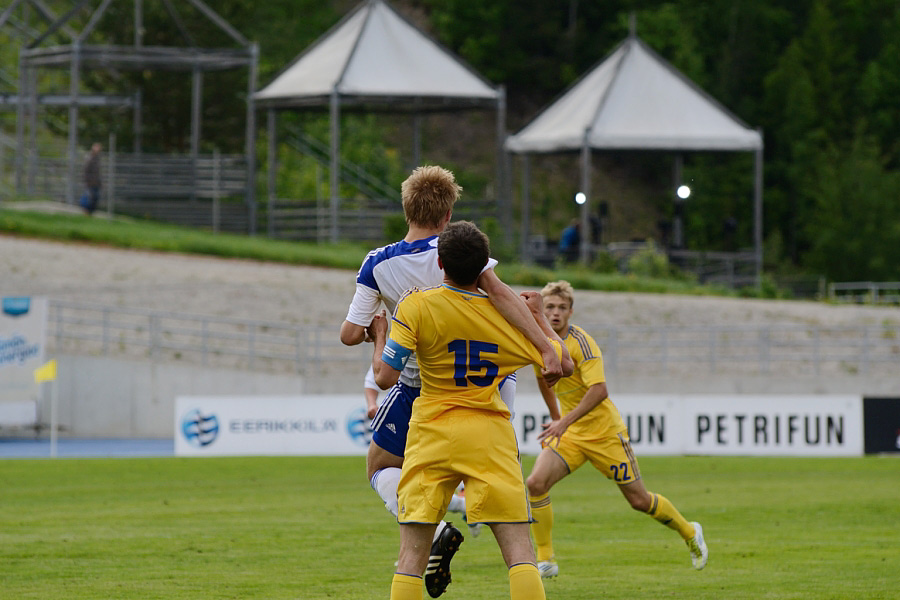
[[491, 263], [370, 380], [508, 393], [364, 306]]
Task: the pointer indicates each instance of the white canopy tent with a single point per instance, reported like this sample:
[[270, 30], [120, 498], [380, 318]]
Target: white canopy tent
[[375, 59], [635, 100]]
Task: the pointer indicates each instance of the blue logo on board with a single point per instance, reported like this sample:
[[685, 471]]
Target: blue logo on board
[[198, 429], [358, 427], [16, 306]]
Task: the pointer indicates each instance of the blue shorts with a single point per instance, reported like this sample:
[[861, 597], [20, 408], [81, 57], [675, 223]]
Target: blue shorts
[[391, 422]]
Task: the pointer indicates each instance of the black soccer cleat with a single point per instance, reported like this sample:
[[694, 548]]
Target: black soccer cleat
[[437, 573]]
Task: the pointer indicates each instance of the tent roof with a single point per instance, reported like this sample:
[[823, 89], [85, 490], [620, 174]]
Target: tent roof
[[374, 55], [635, 100]]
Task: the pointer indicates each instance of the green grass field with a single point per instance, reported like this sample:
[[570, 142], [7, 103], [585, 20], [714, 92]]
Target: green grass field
[[298, 527]]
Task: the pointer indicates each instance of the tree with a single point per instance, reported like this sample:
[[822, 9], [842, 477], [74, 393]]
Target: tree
[[854, 230]]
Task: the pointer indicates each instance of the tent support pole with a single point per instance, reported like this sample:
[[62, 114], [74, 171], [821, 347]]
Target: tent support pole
[[270, 167], [74, 83], [31, 145], [526, 210], [334, 175], [20, 118], [138, 118], [678, 221], [196, 100], [503, 196], [584, 228], [417, 138], [250, 142], [758, 210]]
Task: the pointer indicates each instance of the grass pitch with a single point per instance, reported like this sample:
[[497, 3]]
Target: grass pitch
[[297, 527]]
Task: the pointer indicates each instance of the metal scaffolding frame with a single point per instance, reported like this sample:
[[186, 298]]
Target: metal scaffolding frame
[[78, 55]]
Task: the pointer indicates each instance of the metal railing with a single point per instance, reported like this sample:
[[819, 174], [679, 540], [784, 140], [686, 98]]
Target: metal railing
[[312, 350], [7, 164], [196, 339], [865, 292], [371, 186], [148, 176]]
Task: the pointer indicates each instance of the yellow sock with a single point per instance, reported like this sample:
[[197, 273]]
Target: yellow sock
[[407, 587], [542, 528], [665, 512], [525, 583]]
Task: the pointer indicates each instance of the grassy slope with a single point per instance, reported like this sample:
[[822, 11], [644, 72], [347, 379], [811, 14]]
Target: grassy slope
[[129, 233], [310, 527]]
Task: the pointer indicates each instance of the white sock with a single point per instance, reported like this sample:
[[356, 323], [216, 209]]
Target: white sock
[[438, 530], [457, 504], [385, 482]]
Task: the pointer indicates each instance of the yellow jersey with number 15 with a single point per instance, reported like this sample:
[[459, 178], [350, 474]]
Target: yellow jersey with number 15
[[464, 346]]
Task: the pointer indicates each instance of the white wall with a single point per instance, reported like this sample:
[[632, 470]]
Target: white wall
[[108, 397]]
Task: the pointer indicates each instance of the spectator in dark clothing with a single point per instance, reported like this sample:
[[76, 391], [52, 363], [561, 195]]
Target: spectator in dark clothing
[[92, 180], [570, 242]]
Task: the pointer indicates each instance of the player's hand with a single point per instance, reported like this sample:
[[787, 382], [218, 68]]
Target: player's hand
[[552, 370], [552, 430], [371, 410], [534, 302], [378, 326]]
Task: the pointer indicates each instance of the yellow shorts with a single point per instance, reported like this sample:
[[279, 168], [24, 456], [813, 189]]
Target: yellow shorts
[[476, 447], [611, 455]]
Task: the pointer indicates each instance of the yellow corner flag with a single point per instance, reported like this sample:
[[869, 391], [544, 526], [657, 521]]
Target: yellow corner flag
[[46, 372]]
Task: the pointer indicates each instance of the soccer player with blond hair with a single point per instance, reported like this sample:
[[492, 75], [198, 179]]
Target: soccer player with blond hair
[[428, 196], [589, 428], [460, 430]]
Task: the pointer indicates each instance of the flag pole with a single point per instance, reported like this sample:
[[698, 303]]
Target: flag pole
[[54, 401]]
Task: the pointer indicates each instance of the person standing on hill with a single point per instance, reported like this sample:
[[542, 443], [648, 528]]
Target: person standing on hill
[[92, 180]]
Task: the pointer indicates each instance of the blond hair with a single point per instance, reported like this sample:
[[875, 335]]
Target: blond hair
[[561, 288], [428, 193]]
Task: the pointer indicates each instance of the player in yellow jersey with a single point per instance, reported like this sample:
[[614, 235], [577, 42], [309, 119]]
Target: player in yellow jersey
[[460, 429], [590, 429]]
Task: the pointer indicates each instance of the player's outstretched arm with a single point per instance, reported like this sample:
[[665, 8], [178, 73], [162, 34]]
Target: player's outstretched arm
[[364, 306], [549, 398], [535, 305], [596, 394], [512, 309], [353, 334], [385, 374]]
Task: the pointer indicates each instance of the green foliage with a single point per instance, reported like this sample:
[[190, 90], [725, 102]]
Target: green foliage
[[278, 528], [818, 76], [855, 227], [767, 288], [500, 250], [395, 228], [604, 262], [649, 261]]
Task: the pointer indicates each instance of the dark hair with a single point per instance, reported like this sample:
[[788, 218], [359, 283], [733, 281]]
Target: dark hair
[[464, 250]]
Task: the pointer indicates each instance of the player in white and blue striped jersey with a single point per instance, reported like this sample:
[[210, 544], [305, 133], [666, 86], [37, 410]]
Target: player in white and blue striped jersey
[[428, 196]]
